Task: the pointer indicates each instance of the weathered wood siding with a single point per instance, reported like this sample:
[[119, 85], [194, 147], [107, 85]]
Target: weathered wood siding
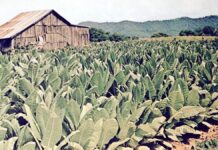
[[52, 33], [80, 36]]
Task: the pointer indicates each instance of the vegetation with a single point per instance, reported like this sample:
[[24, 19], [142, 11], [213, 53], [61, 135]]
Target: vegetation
[[148, 28], [206, 31], [215, 43], [208, 145], [187, 33], [159, 35], [182, 38], [108, 96], [98, 35]]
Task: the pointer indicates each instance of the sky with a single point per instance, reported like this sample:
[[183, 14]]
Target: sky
[[77, 11]]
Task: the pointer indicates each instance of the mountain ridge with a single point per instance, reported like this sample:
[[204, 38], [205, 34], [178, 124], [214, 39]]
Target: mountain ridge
[[148, 28]]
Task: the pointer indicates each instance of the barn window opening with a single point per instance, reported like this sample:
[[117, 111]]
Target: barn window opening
[[6, 43]]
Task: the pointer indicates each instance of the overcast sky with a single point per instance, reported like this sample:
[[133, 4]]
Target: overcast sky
[[112, 10]]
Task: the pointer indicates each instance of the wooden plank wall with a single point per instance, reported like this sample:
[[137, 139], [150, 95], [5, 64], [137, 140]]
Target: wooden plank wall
[[80, 36], [55, 34]]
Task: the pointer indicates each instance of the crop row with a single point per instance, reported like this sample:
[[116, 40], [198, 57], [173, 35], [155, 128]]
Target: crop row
[[108, 96]]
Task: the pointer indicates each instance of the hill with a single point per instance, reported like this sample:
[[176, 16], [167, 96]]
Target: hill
[[146, 29]]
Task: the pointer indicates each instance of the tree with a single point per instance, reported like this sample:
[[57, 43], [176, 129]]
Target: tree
[[116, 37], [208, 30], [216, 32], [159, 35], [187, 33], [198, 32], [98, 35]]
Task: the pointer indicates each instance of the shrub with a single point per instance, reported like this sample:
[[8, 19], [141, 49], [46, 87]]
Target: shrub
[[208, 30], [187, 33], [98, 35], [159, 35]]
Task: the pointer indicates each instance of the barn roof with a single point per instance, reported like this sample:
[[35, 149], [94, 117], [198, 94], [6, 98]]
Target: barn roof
[[24, 20]]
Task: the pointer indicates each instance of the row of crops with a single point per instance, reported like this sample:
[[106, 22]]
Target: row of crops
[[108, 96]]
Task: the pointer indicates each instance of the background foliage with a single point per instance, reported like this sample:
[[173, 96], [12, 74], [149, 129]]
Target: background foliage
[[148, 28]]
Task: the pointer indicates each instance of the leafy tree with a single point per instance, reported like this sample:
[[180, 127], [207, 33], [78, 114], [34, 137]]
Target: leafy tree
[[208, 30], [187, 33], [159, 35], [116, 37], [216, 32], [198, 32], [98, 35]]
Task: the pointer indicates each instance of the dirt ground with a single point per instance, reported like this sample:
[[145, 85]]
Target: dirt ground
[[211, 134]]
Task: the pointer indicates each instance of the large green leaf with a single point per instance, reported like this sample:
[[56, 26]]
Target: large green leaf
[[184, 129], [150, 87], [2, 133], [85, 132], [145, 130], [188, 111], [42, 117], [181, 84], [139, 92], [29, 146], [54, 80], [33, 124], [19, 70], [176, 99], [121, 78], [53, 131], [158, 79], [98, 81], [78, 95], [75, 146], [26, 86], [110, 127], [150, 129], [85, 110], [94, 138], [8, 144], [193, 98], [214, 104], [73, 111]]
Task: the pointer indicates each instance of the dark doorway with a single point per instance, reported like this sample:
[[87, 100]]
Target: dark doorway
[[5, 44]]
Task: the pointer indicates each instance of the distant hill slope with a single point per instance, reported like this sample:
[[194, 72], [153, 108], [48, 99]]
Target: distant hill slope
[[146, 29]]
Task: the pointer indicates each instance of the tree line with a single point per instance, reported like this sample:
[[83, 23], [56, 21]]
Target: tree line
[[98, 35], [205, 31]]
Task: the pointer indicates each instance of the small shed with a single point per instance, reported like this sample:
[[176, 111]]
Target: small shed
[[44, 29]]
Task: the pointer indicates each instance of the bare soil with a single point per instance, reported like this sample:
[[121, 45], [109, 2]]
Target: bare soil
[[211, 134]]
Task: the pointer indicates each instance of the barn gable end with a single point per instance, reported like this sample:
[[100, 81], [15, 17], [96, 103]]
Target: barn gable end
[[48, 31]]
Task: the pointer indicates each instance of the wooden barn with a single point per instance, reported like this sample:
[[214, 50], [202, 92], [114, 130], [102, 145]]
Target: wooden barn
[[44, 29]]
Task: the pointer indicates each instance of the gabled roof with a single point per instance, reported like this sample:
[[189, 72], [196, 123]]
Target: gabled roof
[[26, 19]]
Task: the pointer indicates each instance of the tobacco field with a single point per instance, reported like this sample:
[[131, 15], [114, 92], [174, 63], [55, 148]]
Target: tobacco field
[[127, 95]]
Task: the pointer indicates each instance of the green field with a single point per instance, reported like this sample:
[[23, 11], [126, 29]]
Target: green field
[[108, 95]]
